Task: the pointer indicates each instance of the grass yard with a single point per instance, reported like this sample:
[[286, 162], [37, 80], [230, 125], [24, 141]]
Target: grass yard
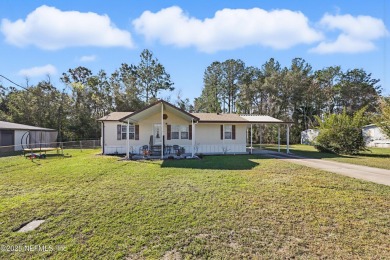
[[375, 157], [225, 207]]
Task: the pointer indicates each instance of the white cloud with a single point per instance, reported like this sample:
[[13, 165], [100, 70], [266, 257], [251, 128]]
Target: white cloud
[[357, 33], [51, 29], [228, 29], [38, 71], [88, 58]]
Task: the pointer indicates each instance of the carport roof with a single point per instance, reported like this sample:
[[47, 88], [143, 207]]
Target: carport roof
[[260, 119]]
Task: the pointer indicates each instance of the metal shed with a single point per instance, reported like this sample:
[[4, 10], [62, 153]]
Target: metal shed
[[16, 137]]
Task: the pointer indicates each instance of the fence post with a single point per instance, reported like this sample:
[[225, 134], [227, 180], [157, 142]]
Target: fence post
[[81, 147]]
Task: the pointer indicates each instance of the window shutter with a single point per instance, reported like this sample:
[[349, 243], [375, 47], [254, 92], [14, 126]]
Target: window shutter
[[190, 132], [118, 132], [233, 132], [221, 132], [168, 132], [136, 137]]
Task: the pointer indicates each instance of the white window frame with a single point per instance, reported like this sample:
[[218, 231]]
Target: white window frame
[[184, 129], [228, 132], [131, 132], [177, 132]]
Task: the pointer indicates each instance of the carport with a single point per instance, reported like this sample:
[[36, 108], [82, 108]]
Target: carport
[[264, 120]]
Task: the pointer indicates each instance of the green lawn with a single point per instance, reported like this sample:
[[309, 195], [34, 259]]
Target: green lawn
[[224, 207], [375, 157]]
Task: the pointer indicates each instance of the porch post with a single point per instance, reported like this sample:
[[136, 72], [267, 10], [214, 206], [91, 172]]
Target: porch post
[[192, 138], [251, 139], [260, 136], [279, 138], [162, 130], [127, 139], [288, 138]]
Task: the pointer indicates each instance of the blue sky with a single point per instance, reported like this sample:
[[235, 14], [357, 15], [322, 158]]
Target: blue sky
[[49, 37]]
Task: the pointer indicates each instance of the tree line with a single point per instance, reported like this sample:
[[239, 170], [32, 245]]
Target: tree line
[[74, 110], [295, 93]]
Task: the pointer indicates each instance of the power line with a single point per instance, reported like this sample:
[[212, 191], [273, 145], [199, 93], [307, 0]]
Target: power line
[[13, 82]]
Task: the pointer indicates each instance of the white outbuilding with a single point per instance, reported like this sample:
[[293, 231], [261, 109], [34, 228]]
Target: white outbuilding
[[16, 137]]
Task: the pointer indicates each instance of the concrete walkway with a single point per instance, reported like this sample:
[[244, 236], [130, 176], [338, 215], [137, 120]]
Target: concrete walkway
[[377, 175]]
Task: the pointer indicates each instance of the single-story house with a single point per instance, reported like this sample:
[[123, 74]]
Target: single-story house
[[309, 135], [162, 127], [374, 136], [16, 137]]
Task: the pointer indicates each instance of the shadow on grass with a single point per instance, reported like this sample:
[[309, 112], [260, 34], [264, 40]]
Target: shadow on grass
[[374, 155], [308, 153], [222, 162], [314, 154], [318, 155], [9, 153]]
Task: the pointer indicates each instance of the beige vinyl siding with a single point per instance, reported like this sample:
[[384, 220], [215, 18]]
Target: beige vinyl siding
[[207, 135]]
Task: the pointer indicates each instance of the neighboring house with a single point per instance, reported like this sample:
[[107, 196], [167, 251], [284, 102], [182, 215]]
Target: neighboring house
[[16, 137], [374, 136], [161, 124], [308, 136]]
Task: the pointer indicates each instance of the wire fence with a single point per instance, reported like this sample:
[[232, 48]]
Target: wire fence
[[22, 149]]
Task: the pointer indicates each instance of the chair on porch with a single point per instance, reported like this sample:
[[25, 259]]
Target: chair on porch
[[143, 149], [175, 148]]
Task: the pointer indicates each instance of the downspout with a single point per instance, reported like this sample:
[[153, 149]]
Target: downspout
[[194, 133]]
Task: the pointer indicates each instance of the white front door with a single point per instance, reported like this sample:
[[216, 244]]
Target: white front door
[[157, 134]]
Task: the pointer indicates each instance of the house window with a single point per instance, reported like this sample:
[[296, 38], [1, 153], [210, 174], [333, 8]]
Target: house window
[[228, 131], [179, 132], [184, 132], [131, 133], [175, 132]]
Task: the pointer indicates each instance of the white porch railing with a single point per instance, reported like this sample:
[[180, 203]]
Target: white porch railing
[[199, 148]]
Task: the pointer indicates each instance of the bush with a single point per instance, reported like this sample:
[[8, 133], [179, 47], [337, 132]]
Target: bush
[[322, 149], [341, 133]]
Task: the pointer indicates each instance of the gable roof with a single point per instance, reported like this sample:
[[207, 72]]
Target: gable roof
[[15, 126], [152, 107], [115, 116]]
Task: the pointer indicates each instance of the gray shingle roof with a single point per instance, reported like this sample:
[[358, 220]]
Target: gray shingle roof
[[115, 116]]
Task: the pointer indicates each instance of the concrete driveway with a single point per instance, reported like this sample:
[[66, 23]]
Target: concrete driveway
[[366, 173]]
